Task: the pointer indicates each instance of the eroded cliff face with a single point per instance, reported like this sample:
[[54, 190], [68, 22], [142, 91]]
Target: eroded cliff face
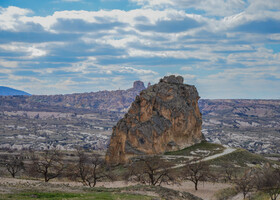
[[164, 117]]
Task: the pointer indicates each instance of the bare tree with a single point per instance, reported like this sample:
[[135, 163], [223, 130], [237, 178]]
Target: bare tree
[[229, 171], [268, 181], [14, 164], [48, 164], [196, 171], [89, 169], [245, 183], [150, 170]]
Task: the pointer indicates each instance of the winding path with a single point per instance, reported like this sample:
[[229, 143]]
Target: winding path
[[226, 151]]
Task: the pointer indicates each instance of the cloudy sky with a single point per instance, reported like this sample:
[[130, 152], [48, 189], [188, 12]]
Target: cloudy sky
[[226, 48]]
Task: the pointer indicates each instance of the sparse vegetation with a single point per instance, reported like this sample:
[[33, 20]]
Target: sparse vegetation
[[259, 196], [229, 172], [13, 164], [48, 164], [75, 196], [89, 169], [240, 158], [196, 171], [245, 183], [63, 191], [203, 149], [150, 170], [268, 181], [226, 193]]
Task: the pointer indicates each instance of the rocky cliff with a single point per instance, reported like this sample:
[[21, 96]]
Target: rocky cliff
[[164, 117]]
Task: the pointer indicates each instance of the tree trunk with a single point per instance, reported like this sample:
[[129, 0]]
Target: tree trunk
[[94, 183], [273, 196], [244, 195], [46, 177], [195, 185]]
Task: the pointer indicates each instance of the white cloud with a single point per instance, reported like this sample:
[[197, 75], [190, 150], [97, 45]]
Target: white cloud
[[122, 51], [5, 71], [261, 57], [32, 50], [259, 5], [222, 8], [211, 7], [111, 16], [189, 77], [186, 68], [8, 64], [117, 43], [89, 66], [179, 54], [132, 70], [245, 73], [274, 37], [241, 83], [10, 17], [153, 3]]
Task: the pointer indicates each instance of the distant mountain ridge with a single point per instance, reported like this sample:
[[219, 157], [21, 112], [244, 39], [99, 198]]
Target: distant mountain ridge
[[6, 91], [102, 101]]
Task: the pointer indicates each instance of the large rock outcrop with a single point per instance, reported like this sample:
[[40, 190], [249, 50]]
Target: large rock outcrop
[[164, 117]]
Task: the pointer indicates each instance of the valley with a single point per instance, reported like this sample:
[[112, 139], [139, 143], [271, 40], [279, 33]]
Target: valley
[[66, 121]]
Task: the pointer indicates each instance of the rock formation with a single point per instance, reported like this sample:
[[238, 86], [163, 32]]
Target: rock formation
[[138, 86], [164, 117]]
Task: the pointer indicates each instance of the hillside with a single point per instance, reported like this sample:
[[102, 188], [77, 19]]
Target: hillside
[[250, 124], [6, 91], [218, 155], [102, 101]]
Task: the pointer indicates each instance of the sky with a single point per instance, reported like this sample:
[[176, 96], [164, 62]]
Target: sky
[[228, 49]]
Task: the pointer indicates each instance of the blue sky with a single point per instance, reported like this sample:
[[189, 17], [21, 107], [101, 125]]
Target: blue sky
[[226, 48]]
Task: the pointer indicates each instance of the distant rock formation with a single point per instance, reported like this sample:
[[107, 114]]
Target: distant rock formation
[[165, 117], [138, 85], [102, 101], [6, 91]]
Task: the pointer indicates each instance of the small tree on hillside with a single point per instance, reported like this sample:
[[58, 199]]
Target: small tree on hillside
[[48, 164], [245, 183], [150, 170], [90, 168], [14, 164], [196, 171], [268, 181], [229, 172]]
